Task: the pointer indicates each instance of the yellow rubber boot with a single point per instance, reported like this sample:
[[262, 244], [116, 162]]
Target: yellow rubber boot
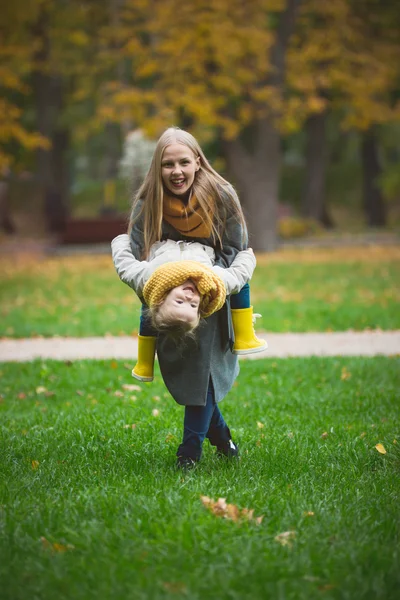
[[246, 341], [144, 368]]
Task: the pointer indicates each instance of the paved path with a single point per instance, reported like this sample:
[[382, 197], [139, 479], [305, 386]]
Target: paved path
[[280, 345]]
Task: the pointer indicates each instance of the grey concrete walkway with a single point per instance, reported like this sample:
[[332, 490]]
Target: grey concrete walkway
[[280, 345]]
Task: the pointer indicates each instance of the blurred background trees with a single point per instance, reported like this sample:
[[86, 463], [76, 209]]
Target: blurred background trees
[[295, 101]]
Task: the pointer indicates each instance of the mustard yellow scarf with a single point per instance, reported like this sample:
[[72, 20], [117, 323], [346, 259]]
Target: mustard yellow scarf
[[188, 219]]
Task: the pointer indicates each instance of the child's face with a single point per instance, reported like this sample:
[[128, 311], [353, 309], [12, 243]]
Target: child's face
[[178, 168], [182, 303]]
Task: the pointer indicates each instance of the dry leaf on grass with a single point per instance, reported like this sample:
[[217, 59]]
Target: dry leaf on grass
[[131, 387], [155, 412], [286, 538], [55, 547], [34, 464], [324, 435], [175, 587], [381, 448], [345, 374], [326, 587], [221, 508]]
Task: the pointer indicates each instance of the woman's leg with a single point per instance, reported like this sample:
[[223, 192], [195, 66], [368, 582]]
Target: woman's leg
[[218, 431], [201, 422], [195, 427]]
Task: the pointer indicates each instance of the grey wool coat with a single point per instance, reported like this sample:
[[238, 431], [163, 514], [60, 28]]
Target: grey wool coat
[[187, 370]]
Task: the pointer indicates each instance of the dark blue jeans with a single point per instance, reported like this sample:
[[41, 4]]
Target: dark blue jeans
[[242, 299], [201, 422]]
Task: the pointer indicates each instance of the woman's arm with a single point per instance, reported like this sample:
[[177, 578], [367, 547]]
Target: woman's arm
[[136, 234], [130, 271], [239, 273], [234, 236]]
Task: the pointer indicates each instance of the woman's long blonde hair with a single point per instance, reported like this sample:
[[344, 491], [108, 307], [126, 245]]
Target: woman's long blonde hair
[[215, 195]]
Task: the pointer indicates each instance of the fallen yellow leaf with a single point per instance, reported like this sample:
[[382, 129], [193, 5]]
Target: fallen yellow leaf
[[324, 435], [55, 547], [35, 464], [155, 412], [175, 587], [221, 508], [131, 387], [381, 448], [345, 374], [260, 425], [286, 538]]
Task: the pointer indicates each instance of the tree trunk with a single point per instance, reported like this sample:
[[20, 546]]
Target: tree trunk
[[257, 171], [6, 222], [56, 199], [373, 202], [51, 163], [314, 197], [257, 180]]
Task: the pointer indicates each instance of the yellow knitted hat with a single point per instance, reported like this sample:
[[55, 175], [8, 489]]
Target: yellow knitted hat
[[210, 286]]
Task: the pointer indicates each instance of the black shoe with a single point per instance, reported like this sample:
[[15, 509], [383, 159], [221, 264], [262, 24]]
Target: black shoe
[[228, 449], [185, 463]]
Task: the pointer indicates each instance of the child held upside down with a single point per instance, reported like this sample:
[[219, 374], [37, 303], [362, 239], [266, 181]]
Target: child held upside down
[[180, 284]]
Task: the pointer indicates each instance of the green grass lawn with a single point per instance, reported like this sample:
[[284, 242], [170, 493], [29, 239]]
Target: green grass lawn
[[313, 290], [91, 506]]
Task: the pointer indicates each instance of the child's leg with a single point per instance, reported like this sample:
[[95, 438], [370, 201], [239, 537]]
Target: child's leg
[[246, 341], [144, 368], [145, 327], [201, 422], [242, 299]]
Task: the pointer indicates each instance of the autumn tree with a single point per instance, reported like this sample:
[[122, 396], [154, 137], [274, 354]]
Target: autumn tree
[[348, 55], [15, 129], [220, 67]]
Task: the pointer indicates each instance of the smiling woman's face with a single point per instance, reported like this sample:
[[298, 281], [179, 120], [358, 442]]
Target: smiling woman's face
[[178, 168], [182, 303]]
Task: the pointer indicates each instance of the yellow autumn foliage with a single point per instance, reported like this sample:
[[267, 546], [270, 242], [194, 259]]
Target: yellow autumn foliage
[[149, 63]]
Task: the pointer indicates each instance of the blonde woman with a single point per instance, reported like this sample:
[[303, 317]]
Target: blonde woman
[[184, 198]]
